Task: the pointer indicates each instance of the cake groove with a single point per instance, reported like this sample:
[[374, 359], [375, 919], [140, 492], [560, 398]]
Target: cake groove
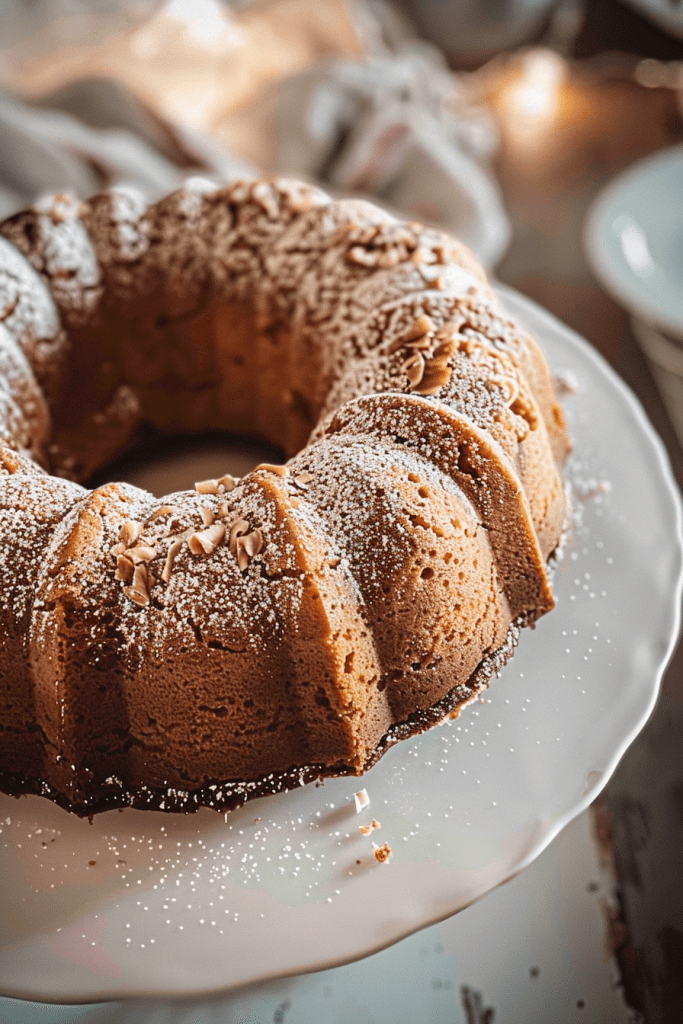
[[249, 635]]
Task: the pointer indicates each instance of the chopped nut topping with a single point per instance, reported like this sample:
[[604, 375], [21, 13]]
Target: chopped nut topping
[[445, 349], [422, 344], [279, 470], [414, 369], [303, 479], [139, 591], [382, 853], [206, 487], [362, 800], [435, 377], [227, 482], [423, 325], [137, 596], [207, 515], [367, 829], [173, 552], [238, 530], [440, 254], [165, 510], [124, 569], [130, 531], [141, 553], [247, 547], [206, 541], [362, 257]]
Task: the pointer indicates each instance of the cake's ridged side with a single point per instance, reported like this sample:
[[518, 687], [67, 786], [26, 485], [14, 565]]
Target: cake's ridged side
[[74, 645], [477, 465], [32, 505], [337, 683], [428, 585], [299, 623]]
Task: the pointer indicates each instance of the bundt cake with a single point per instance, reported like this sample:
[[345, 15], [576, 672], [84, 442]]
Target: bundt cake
[[255, 634]]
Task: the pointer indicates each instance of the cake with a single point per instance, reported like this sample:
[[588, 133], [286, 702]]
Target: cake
[[251, 635]]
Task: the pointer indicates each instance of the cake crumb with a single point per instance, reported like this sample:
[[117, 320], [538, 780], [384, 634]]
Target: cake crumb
[[382, 853], [362, 800], [367, 829]]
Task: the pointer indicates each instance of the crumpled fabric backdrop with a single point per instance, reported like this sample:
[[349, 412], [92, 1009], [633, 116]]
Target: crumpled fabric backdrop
[[393, 125]]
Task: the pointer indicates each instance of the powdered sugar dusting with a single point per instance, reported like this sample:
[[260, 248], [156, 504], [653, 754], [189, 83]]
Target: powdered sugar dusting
[[301, 621]]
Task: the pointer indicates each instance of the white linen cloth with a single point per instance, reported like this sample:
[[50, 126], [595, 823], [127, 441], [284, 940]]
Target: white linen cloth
[[93, 134], [397, 128]]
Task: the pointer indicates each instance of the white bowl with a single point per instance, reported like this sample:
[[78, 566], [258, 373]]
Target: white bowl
[[634, 240]]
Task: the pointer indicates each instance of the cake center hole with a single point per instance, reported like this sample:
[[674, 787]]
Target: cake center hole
[[167, 464]]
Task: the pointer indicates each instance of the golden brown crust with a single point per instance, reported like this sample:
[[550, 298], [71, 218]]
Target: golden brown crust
[[235, 639]]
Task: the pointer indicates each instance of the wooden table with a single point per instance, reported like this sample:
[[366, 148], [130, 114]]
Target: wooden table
[[609, 122]]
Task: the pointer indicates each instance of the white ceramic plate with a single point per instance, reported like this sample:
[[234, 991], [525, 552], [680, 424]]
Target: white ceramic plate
[[146, 903], [634, 239]]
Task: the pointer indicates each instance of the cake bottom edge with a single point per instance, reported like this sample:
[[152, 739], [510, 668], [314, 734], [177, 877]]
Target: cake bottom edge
[[228, 795]]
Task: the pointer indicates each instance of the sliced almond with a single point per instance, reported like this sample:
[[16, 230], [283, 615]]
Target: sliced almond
[[362, 800], [138, 592], [206, 487], [124, 569], [140, 597], [141, 553], [204, 542], [238, 530], [414, 368], [360, 256], [247, 547], [165, 510], [227, 482], [207, 514], [433, 380], [422, 344], [253, 543], [423, 325], [440, 255], [130, 531], [140, 577], [270, 468], [303, 479], [117, 550], [445, 349], [171, 556], [242, 554]]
